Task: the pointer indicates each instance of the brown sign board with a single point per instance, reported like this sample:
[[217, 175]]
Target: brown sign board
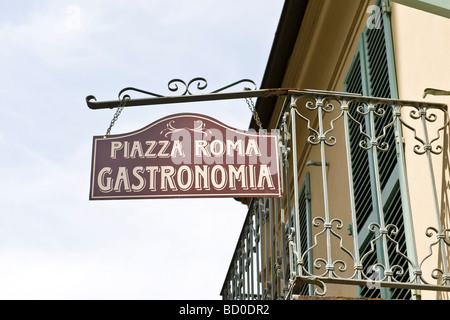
[[185, 155]]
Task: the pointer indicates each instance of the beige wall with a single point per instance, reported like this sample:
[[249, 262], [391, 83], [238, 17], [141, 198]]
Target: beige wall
[[422, 53], [325, 45]]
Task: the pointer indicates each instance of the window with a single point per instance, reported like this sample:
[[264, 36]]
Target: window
[[372, 73]]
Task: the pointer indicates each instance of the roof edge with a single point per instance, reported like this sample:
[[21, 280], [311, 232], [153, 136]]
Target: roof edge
[[285, 37]]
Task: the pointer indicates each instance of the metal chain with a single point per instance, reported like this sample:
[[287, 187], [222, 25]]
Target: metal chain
[[252, 108], [116, 115], [122, 104]]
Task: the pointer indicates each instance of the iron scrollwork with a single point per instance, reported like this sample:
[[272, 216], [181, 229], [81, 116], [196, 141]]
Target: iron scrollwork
[[186, 88], [178, 86]]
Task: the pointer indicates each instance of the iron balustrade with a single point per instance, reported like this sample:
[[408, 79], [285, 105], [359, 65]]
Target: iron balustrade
[[284, 251]]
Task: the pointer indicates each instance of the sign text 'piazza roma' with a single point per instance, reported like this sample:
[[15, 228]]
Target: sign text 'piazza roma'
[[185, 155]]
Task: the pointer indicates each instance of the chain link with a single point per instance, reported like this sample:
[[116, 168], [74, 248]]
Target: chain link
[[116, 115], [122, 104], [252, 108]]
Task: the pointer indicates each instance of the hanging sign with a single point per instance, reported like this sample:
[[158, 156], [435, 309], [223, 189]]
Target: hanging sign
[[185, 155]]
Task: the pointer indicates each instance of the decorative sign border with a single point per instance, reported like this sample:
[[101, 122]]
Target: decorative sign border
[[185, 156]]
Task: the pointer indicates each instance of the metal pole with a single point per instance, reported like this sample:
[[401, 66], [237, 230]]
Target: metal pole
[[299, 262]]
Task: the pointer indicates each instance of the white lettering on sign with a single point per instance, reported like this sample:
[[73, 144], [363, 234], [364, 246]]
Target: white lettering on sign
[[167, 148], [185, 178], [201, 158]]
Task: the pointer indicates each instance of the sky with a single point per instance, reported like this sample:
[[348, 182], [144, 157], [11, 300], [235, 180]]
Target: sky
[[54, 242]]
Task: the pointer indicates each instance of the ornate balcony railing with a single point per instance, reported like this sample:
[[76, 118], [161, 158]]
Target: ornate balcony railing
[[365, 203]]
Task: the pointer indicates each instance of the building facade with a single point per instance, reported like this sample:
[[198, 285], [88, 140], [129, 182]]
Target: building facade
[[363, 127]]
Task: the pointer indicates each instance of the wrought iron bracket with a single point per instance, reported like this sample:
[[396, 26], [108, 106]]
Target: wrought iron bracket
[[185, 91], [436, 92], [185, 94]]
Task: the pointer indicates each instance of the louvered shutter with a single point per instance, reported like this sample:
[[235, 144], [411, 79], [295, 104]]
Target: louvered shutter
[[372, 73]]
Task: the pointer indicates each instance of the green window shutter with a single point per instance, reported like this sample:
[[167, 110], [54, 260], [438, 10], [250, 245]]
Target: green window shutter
[[372, 73], [356, 83], [304, 217]]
